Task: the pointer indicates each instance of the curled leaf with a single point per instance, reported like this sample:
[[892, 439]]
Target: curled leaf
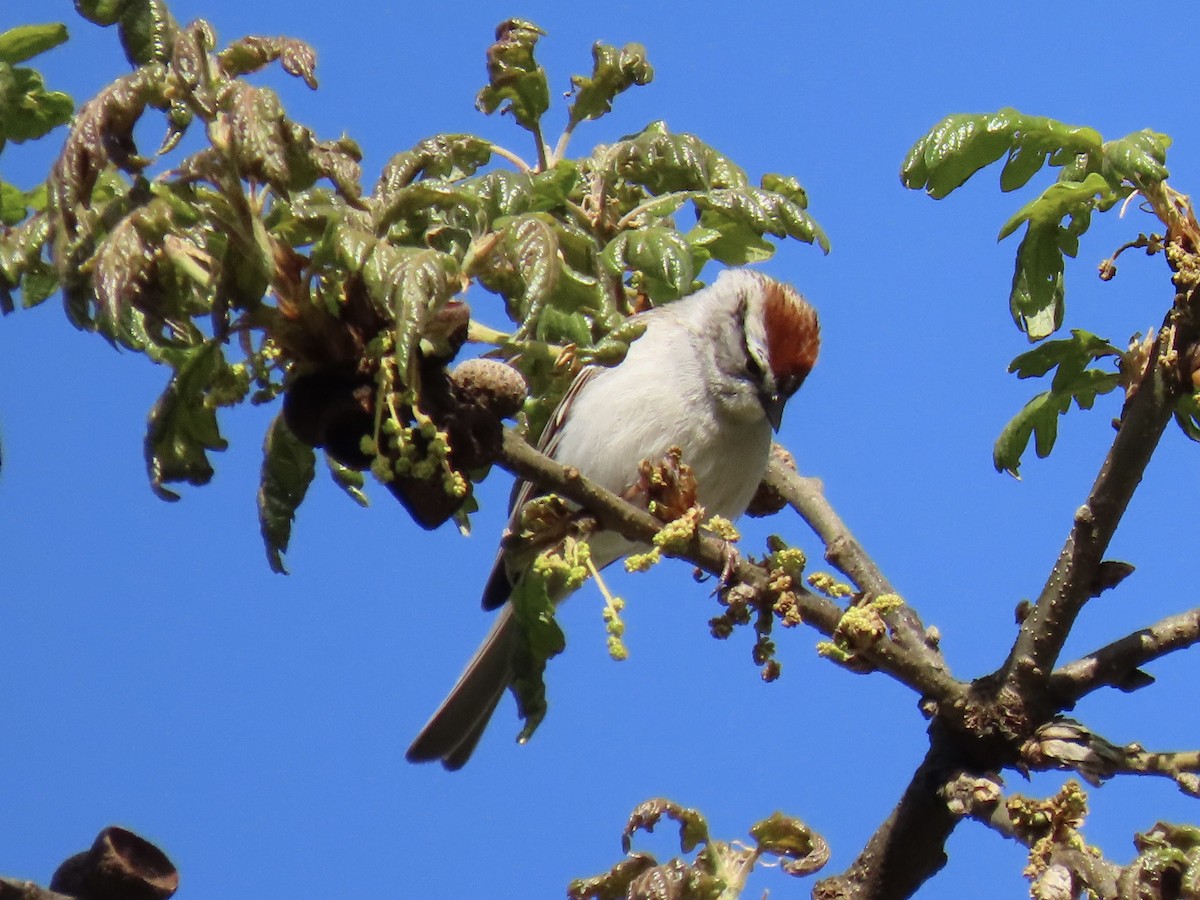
[[514, 77], [801, 850], [613, 72], [287, 470], [693, 828], [183, 425]]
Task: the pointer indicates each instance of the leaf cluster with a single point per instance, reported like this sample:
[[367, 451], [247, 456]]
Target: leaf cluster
[[258, 265], [1093, 176], [719, 869]]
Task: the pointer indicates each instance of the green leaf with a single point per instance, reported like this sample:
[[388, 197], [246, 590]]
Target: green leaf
[[693, 828], [527, 273], [1139, 158], [256, 135], [613, 72], [448, 156], [661, 257], [1036, 299], [505, 193], [408, 285], [287, 470], [766, 212], [126, 261], [1024, 161], [27, 110], [1071, 355], [102, 12], [147, 31], [514, 77], [557, 327], [1074, 381], [960, 145], [541, 639], [730, 241], [249, 54], [1058, 201], [21, 262], [12, 204], [183, 425], [786, 186], [664, 162], [27, 41], [801, 850], [349, 480]]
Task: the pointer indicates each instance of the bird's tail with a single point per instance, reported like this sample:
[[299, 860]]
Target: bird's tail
[[452, 732]]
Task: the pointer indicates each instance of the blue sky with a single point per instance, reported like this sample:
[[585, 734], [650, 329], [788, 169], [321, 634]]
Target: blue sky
[[155, 674]]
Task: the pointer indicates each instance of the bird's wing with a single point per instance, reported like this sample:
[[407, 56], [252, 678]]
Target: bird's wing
[[500, 582]]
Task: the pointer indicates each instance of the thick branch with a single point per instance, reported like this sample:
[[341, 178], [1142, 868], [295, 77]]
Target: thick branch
[[1070, 585], [909, 847], [888, 655], [1117, 664]]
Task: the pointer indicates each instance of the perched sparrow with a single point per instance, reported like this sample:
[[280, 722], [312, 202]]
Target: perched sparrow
[[710, 375]]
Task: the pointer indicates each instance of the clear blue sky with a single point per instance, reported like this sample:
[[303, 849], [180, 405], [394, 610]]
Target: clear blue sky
[[155, 674]]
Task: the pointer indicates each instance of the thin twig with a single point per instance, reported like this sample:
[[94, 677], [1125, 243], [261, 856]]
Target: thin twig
[[843, 551]]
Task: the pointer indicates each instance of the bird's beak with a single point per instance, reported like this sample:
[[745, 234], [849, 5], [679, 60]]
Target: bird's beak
[[773, 406]]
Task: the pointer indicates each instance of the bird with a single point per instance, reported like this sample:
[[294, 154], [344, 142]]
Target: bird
[[710, 374]]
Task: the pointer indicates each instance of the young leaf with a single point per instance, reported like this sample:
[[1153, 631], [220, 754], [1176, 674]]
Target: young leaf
[[27, 110], [541, 640], [765, 212], [183, 426], [349, 480], [449, 156], [1139, 158], [1058, 201], [960, 145], [663, 162], [254, 52], [613, 71], [661, 256], [1036, 300], [287, 470], [514, 76], [147, 30], [1073, 382], [27, 41]]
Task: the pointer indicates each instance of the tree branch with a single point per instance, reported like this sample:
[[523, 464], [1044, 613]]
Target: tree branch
[[982, 799], [1117, 664], [1067, 744], [843, 551], [710, 554], [15, 889], [909, 847], [1070, 584]]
